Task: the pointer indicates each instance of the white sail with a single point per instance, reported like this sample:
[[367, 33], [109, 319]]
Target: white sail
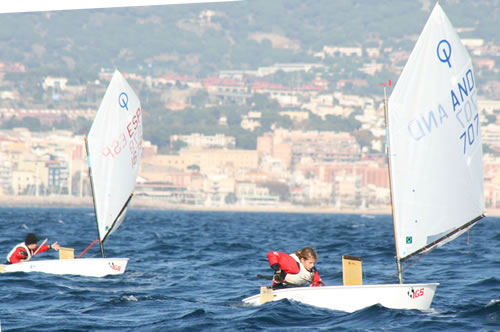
[[115, 149], [435, 142]]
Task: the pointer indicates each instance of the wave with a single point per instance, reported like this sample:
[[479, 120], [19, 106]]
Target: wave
[[190, 271], [487, 315]]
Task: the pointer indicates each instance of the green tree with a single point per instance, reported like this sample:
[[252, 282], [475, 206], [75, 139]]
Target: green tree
[[81, 125], [230, 198], [194, 168], [177, 145], [364, 137]]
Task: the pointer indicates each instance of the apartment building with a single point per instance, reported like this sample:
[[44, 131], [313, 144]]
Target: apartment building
[[197, 140]]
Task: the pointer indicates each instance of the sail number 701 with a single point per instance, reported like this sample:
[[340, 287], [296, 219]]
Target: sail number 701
[[470, 134]]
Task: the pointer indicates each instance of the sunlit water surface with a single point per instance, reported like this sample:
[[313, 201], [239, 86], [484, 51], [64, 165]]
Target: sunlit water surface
[[190, 271]]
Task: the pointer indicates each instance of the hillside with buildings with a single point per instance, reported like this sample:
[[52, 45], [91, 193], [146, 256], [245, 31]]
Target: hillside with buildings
[[273, 112]]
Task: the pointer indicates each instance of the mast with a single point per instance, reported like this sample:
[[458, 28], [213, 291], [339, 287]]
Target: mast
[[93, 196], [388, 154]]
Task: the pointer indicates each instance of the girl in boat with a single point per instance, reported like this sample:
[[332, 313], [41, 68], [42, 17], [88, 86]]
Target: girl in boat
[[296, 269], [24, 251]]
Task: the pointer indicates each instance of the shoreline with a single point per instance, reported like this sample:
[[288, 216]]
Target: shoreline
[[157, 204]]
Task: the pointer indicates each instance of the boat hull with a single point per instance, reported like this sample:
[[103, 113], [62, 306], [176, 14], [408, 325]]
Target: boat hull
[[89, 267], [354, 298]]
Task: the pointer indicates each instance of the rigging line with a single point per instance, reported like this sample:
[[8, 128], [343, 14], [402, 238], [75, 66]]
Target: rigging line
[[90, 246], [408, 266]]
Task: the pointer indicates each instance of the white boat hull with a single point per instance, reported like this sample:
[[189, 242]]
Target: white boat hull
[[353, 298], [89, 267]]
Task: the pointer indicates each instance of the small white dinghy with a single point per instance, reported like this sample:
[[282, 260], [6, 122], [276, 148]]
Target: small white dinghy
[[88, 267], [435, 167], [114, 149], [353, 298]]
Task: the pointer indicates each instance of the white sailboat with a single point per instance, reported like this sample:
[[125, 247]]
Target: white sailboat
[[435, 168], [114, 148]]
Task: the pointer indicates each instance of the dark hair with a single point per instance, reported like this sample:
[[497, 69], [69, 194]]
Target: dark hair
[[307, 253], [30, 239]]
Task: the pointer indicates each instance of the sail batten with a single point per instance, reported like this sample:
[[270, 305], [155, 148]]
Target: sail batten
[[114, 151], [435, 142]]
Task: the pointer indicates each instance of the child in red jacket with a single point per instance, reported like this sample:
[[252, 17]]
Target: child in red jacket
[[24, 251], [296, 269]]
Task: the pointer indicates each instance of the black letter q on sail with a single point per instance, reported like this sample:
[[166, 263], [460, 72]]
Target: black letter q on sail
[[444, 52]]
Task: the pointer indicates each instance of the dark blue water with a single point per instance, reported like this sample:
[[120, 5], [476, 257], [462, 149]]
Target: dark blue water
[[189, 271]]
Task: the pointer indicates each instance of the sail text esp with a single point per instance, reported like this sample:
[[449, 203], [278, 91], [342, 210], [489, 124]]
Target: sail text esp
[[131, 137]]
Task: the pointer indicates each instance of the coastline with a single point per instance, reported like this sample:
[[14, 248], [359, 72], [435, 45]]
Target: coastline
[[158, 204]]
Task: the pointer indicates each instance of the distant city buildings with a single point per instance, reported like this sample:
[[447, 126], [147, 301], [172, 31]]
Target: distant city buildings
[[301, 168], [204, 141], [298, 167]]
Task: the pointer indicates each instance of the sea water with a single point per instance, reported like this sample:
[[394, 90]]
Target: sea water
[[189, 271]]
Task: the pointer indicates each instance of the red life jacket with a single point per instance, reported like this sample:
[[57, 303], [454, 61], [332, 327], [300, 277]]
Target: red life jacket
[[297, 274], [21, 253]]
